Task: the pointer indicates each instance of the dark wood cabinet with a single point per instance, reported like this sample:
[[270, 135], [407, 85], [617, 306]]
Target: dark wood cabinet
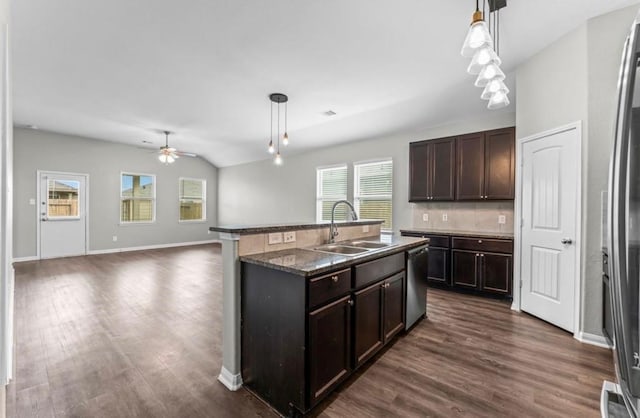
[[486, 165], [496, 273], [470, 165], [432, 170], [329, 347], [499, 168], [393, 306], [438, 266], [368, 317], [302, 336], [464, 268]]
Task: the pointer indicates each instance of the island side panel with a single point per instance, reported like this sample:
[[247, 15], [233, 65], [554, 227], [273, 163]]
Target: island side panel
[[273, 336]]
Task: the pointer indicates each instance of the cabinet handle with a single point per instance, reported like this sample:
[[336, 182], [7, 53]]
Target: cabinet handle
[[481, 255], [477, 255], [335, 279], [350, 302], [479, 241]]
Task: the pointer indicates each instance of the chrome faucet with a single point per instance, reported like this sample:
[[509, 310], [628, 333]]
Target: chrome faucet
[[333, 229]]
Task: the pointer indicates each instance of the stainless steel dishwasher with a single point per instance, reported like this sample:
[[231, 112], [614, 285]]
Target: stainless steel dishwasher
[[416, 306]]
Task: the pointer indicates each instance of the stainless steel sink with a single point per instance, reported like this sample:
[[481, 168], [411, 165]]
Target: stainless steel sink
[[368, 244], [340, 249]]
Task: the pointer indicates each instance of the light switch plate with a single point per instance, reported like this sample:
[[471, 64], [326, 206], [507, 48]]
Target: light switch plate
[[445, 217], [425, 217], [290, 236], [115, 238], [32, 201], [275, 238], [365, 228], [502, 219]]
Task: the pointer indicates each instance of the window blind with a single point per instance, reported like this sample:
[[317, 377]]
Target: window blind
[[374, 191], [331, 187]]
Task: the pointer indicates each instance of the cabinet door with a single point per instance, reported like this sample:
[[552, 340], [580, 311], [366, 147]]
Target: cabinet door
[[464, 268], [438, 265], [329, 347], [368, 333], [442, 163], [418, 172], [393, 306], [496, 273], [470, 167], [499, 172]]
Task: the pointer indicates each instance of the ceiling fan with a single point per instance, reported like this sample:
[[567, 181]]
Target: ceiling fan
[[168, 154]]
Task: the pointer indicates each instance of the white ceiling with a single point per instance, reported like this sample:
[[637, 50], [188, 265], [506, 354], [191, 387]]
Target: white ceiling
[[120, 70]]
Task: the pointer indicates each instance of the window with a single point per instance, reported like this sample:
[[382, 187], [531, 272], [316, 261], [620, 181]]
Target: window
[[192, 197], [62, 201], [373, 191], [137, 198], [331, 187]]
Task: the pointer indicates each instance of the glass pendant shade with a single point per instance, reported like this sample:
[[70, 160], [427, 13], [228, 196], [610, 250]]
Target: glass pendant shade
[[498, 100], [285, 139], [481, 58], [488, 73], [492, 88], [477, 37], [271, 148], [278, 159], [166, 158]]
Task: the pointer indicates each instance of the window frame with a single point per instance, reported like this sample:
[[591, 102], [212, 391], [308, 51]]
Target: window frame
[[320, 198], [204, 200], [356, 188], [153, 199]]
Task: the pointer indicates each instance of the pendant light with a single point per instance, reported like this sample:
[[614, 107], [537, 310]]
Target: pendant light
[[274, 147], [478, 35], [489, 72], [481, 58], [493, 87]]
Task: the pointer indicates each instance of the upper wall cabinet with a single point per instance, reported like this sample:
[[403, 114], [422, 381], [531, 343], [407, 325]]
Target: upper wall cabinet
[[432, 170], [486, 165]]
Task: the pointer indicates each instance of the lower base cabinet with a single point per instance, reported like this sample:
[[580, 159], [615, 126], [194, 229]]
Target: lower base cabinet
[[301, 337], [464, 268]]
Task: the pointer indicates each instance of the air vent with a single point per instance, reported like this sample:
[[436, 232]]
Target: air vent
[[329, 113], [144, 141]]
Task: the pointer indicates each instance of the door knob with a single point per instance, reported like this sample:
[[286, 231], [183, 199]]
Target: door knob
[[566, 241]]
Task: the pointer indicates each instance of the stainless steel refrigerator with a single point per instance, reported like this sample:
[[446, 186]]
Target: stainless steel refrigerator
[[623, 243]]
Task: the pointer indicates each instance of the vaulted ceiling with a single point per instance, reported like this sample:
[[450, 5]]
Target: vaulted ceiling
[[123, 70]]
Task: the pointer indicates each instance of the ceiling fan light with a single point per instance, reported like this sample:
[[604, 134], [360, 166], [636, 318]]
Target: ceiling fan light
[[481, 58], [493, 87], [478, 36], [488, 73], [498, 100]]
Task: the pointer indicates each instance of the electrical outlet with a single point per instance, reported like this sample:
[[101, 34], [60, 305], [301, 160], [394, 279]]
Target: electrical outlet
[[425, 217], [275, 238], [445, 217], [290, 236], [365, 228], [502, 219], [115, 238]]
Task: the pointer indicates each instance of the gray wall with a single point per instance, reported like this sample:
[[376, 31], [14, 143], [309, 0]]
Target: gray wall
[[103, 161], [575, 79], [264, 193]]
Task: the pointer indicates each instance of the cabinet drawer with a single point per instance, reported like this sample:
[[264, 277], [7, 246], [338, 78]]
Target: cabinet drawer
[[491, 245], [325, 288], [434, 240], [378, 269]]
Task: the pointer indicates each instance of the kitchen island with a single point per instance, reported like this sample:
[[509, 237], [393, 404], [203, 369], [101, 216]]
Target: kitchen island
[[311, 317], [241, 240]]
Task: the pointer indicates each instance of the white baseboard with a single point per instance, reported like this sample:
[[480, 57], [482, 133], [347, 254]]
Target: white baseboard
[[152, 247], [28, 258], [593, 339], [232, 381], [125, 249]]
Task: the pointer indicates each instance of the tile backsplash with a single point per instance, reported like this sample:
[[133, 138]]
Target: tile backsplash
[[463, 216]]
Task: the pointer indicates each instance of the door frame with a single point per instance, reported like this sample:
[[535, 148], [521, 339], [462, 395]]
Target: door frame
[[85, 202], [517, 227]]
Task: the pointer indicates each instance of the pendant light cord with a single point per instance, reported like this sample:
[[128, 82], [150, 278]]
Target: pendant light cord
[[285, 116], [278, 127], [271, 130]]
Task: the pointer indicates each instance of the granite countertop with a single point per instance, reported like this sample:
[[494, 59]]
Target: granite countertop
[[307, 262], [262, 229], [498, 235]]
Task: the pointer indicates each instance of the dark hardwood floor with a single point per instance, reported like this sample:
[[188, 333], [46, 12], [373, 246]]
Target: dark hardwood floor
[[139, 333]]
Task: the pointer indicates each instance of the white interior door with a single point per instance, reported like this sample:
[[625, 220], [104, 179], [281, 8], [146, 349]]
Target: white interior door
[[62, 215], [550, 214]]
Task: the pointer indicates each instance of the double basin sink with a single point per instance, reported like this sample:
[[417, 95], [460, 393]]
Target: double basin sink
[[351, 247]]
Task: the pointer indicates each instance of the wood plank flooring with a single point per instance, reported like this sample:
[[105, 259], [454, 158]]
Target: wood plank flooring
[[139, 335]]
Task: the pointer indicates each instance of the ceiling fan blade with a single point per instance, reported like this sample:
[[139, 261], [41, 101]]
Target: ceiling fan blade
[[186, 154]]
